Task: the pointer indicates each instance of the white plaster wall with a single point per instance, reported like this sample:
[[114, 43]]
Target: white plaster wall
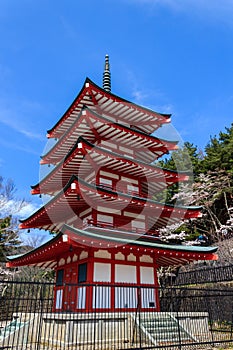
[[105, 173], [102, 272], [129, 179], [105, 218], [105, 181], [108, 210], [125, 273], [138, 224], [132, 215], [147, 275]]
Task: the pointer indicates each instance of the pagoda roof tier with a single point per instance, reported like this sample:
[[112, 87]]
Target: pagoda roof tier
[[85, 157], [95, 128], [93, 96], [78, 195], [50, 253]]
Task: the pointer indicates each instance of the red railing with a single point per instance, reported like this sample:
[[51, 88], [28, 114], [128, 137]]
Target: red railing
[[129, 229]]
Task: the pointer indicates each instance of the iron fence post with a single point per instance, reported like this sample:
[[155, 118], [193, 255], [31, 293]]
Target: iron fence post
[[40, 316], [231, 319]]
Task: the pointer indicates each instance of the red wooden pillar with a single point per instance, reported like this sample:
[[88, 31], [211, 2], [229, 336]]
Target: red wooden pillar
[[90, 275]]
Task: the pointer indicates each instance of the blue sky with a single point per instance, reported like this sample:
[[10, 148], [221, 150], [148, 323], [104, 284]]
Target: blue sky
[[174, 56]]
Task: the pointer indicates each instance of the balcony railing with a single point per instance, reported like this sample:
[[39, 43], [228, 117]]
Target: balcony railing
[[121, 227], [125, 191]]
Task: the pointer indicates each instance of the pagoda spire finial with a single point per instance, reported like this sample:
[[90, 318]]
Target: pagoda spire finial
[[107, 75]]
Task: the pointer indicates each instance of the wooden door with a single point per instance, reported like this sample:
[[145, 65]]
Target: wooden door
[[70, 289]]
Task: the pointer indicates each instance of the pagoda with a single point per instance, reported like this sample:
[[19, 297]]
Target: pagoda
[[101, 204]]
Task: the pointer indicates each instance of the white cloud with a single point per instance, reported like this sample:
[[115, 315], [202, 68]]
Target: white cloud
[[224, 5], [27, 210], [139, 96], [215, 9], [30, 134], [68, 28], [16, 146], [146, 96], [16, 112], [8, 118], [163, 108], [16, 207]]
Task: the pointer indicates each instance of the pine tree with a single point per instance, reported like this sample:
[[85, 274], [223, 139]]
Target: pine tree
[[219, 152], [186, 159]]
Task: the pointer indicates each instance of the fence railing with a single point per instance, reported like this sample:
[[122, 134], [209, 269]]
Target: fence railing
[[195, 318], [203, 275]]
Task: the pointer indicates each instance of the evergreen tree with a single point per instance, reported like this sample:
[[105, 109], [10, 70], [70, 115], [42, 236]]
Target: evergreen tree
[[212, 187], [185, 159], [219, 152]]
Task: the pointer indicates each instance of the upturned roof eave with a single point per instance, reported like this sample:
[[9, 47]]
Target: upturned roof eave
[[188, 212], [139, 132], [111, 95], [60, 120], [140, 241], [166, 115], [89, 144], [74, 236]]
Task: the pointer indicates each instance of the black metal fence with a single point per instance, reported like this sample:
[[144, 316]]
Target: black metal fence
[[203, 275], [188, 318]]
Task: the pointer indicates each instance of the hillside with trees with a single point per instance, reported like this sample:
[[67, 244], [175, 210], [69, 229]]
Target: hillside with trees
[[10, 242], [9, 234], [211, 186]]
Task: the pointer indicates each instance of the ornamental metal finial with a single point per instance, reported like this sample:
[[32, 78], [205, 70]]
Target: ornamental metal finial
[[107, 75]]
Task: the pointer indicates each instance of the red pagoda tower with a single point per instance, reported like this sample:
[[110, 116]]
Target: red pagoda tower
[[101, 205]]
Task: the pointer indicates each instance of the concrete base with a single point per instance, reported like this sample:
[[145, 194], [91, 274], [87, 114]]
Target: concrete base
[[108, 330]]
